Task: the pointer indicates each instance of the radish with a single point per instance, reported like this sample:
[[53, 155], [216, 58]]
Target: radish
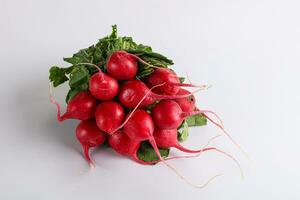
[[109, 115], [172, 83], [101, 85], [123, 145], [89, 135], [132, 92], [82, 106], [186, 104], [167, 114], [163, 75], [122, 65]]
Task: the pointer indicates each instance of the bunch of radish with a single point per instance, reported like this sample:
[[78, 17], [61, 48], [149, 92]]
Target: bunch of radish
[[118, 107]]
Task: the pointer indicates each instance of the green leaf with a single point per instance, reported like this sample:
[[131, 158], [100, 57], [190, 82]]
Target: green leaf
[[147, 153], [58, 75], [181, 79], [72, 92], [82, 56], [78, 77], [196, 120], [183, 132]]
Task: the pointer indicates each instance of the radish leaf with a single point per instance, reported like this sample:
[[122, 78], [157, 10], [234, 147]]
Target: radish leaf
[[147, 153]]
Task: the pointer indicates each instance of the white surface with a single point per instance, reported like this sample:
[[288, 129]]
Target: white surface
[[249, 51]]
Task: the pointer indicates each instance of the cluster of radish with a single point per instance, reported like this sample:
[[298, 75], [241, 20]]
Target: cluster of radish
[[114, 108]]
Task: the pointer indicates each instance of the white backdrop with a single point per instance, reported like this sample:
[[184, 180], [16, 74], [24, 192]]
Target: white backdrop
[[248, 50]]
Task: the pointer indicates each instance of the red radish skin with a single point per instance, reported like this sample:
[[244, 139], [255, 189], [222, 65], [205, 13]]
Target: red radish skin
[[172, 83], [103, 86], [125, 146], [89, 135], [122, 65], [186, 104], [163, 75], [167, 114], [82, 107], [109, 115], [132, 92]]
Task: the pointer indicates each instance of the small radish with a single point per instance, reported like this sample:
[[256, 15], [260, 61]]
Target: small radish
[[186, 104], [172, 83], [101, 85], [109, 115], [123, 145], [167, 114], [82, 106], [132, 92], [122, 65], [89, 135]]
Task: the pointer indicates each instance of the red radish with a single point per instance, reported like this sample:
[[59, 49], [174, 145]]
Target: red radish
[[82, 107], [123, 145], [140, 127], [186, 104], [167, 114], [109, 115], [122, 65], [89, 135], [132, 92], [172, 83], [101, 85]]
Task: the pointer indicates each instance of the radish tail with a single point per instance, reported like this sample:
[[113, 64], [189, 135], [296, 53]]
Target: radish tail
[[203, 87], [200, 151], [162, 96], [153, 143], [60, 117], [87, 155], [186, 150], [214, 149], [229, 136], [221, 126]]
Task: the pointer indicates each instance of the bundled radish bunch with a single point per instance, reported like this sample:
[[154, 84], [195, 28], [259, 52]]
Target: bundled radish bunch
[[127, 97]]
